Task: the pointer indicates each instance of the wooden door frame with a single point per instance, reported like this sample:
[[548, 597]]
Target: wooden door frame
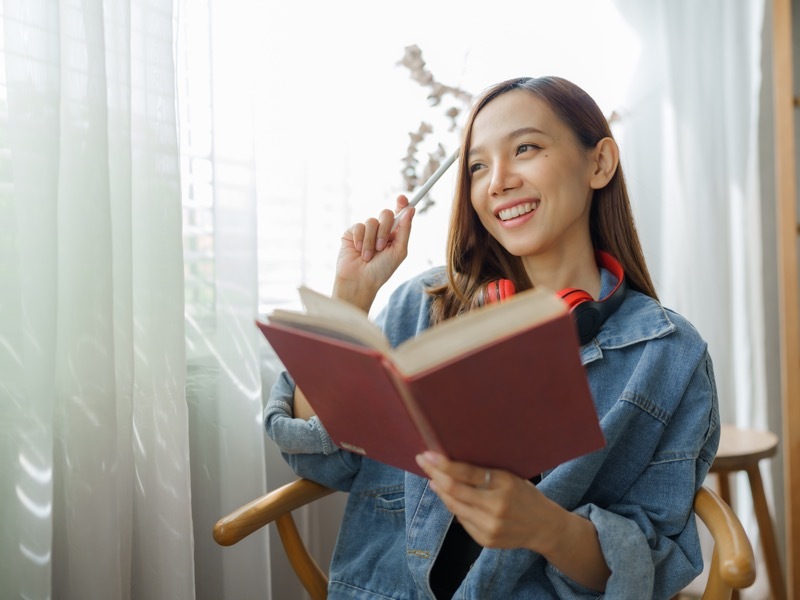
[[787, 239]]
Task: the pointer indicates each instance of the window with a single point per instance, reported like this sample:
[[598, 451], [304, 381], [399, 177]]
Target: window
[[333, 109]]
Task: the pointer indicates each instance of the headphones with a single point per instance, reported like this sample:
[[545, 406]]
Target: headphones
[[587, 313]]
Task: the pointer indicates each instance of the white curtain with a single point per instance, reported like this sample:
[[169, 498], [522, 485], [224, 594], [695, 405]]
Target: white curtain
[[216, 63], [690, 144], [94, 446]]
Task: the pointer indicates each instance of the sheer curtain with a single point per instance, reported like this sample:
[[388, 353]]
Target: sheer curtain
[[94, 445], [690, 143], [216, 63]]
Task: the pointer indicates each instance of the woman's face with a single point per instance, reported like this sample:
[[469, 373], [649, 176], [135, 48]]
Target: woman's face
[[530, 178]]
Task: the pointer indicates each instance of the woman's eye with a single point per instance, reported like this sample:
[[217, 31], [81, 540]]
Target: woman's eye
[[475, 167], [527, 148]]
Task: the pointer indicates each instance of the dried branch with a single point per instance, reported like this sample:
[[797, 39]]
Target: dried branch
[[439, 93]]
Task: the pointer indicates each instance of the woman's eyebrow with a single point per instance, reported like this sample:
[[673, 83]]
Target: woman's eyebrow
[[524, 131], [521, 131]]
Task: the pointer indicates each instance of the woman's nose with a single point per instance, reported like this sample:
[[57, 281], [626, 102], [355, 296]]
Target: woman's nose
[[503, 179]]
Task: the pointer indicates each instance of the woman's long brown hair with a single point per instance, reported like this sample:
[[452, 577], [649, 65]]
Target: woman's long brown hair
[[475, 258]]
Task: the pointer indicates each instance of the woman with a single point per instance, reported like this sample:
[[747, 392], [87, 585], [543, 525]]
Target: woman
[[540, 197]]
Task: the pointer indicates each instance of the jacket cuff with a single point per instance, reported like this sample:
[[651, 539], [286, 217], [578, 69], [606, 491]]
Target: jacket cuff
[[626, 552], [293, 436]]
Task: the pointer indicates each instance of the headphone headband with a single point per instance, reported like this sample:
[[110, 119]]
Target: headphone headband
[[588, 314]]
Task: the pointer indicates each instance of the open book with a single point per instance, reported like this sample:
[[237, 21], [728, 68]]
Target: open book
[[501, 386]]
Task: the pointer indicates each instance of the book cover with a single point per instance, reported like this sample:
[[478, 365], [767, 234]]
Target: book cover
[[519, 402]]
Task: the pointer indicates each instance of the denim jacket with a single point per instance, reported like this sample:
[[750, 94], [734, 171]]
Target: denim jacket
[[653, 386]]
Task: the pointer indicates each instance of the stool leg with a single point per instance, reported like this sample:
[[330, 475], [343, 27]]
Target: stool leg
[[724, 486], [723, 477], [766, 531]]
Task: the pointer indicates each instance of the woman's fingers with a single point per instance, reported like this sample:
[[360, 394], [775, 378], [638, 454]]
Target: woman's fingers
[[404, 214], [370, 252], [385, 221], [374, 234], [370, 236], [357, 234], [449, 474]]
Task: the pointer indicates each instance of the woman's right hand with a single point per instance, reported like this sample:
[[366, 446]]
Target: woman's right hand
[[370, 254]]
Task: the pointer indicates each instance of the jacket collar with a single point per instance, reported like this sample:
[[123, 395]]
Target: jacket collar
[[639, 319]]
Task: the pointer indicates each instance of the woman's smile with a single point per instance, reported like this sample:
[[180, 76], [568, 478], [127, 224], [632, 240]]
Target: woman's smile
[[512, 214]]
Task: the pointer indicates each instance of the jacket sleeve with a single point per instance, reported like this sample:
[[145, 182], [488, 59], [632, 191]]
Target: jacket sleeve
[[306, 445], [649, 535]]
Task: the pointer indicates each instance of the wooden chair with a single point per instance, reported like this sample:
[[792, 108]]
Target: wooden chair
[[732, 564], [277, 506]]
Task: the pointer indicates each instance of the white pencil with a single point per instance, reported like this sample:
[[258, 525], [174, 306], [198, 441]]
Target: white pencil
[[426, 187]]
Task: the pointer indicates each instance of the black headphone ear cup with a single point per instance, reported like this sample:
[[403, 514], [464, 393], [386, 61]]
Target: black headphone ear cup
[[589, 314], [588, 317]]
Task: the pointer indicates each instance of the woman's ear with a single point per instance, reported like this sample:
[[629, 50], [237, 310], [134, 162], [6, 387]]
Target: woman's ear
[[605, 159]]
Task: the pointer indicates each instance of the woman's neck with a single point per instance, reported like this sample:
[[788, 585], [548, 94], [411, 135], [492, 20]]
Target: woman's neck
[[558, 272]]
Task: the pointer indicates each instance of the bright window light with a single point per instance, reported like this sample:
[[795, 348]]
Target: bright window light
[[333, 109]]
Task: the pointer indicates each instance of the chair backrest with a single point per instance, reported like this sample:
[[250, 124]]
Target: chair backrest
[[732, 563]]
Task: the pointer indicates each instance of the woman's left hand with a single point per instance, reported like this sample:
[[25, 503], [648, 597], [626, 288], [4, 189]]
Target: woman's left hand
[[497, 508], [501, 510]]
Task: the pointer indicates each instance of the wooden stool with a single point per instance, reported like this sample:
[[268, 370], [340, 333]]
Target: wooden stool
[[742, 450]]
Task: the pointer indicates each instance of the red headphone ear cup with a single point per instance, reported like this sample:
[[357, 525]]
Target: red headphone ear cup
[[574, 296], [499, 290], [494, 291], [506, 288], [491, 293]]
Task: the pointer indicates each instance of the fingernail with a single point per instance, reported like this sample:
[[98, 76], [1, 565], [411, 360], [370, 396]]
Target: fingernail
[[380, 244], [432, 457], [359, 245], [367, 255]]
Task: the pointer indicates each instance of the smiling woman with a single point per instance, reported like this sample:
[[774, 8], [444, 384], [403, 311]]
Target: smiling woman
[[537, 140]]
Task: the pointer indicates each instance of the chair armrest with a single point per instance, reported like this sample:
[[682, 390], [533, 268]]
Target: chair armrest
[[266, 509], [735, 560]]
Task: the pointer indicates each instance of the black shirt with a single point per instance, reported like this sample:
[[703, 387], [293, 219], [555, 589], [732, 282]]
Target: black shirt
[[455, 558]]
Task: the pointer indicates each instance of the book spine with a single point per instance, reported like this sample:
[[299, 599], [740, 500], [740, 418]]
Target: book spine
[[423, 425]]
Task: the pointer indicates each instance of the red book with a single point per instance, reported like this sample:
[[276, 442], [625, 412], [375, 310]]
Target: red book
[[501, 386]]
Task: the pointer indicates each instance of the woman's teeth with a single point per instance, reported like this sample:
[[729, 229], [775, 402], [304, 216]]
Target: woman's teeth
[[519, 209]]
